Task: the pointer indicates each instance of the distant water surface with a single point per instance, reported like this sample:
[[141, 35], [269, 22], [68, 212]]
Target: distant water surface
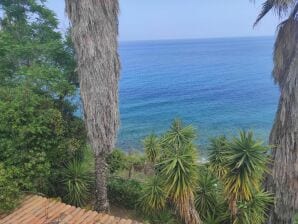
[[218, 85]]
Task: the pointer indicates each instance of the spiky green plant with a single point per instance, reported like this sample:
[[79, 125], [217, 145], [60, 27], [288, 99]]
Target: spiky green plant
[[177, 168], [154, 196], [206, 199], [179, 172], [215, 218], [165, 216], [152, 147], [255, 210], [178, 134], [77, 182], [217, 149], [245, 160]]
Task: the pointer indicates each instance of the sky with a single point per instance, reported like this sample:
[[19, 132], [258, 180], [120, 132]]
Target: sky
[[184, 19]]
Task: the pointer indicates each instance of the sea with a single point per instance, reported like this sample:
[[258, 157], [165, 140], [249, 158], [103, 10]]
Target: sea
[[219, 86]]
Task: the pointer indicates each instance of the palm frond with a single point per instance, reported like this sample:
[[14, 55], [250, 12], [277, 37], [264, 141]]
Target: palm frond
[[267, 6], [281, 7]]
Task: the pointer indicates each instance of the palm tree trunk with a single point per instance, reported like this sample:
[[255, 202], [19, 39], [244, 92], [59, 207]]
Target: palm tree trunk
[[94, 33], [284, 135], [188, 212], [233, 209], [101, 169]]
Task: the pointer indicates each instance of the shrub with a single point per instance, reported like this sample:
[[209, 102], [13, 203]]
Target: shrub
[[116, 161], [165, 216], [9, 192], [154, 196], [77, 183], [124, 193]]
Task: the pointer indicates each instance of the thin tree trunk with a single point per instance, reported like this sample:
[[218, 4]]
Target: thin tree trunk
[[233, 209], [130, 171], [94, 33], [284, 135]]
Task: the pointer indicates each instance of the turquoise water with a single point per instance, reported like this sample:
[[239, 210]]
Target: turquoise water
[[218, 85]]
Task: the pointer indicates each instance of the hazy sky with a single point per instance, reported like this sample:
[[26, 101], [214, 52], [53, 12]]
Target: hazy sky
[[182, 19]]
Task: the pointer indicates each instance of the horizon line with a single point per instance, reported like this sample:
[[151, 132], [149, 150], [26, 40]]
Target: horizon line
[[195, 38]]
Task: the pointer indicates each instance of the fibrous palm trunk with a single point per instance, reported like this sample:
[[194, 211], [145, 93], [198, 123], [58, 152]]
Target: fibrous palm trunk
[[94, 33], [233, 208], [284, 135], [187, 211]]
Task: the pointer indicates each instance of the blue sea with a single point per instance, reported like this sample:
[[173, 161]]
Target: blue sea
[[219, 86]]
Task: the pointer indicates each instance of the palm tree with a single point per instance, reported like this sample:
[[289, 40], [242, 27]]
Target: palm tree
[[284, 180], [94, 33], [245, 161], [179, 170]]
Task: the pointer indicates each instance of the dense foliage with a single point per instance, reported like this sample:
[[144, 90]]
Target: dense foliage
[[226, 189], [173, 185], [39, 132], [43, 146], [117, 161], [9, 190], [124, 192]]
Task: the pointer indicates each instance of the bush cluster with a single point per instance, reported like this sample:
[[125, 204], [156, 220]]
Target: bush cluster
[[124, 192]]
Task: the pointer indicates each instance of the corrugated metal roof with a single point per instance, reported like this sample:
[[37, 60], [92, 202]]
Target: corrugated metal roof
[[40, 210]]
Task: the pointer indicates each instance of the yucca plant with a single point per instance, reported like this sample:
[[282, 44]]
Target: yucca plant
[[152, 148], [178, 134], [206, 200], [217, 149], [178, 169], [255, 210], [245, 160], [176, 174], [77, 183], [216, 218], [154, 197], [209, 198], [179, 172]]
